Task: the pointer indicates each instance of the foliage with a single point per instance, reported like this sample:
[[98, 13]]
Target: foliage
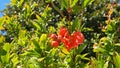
[[92, 27]]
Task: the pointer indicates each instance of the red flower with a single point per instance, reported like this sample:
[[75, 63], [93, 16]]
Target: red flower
[[69, 41], [63, 31], [73, 41], [53, 36], [65, 41], [79, 37], [55, 44]]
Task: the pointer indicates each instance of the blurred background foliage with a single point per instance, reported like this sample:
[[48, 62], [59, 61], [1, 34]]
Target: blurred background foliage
[[28, 23]]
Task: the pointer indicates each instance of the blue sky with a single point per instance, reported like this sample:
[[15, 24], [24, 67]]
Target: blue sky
[[2, 5]]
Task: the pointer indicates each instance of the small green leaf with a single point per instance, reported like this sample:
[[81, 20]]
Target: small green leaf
[[53, 51], [13, 2], [74, 3], [7, 47], [2, 51], [116, 60], [20, 2], [64, 3], [61, 55], [64, 50], [86, 3], [1, 22], [41, 59], [106, 64], [117, 44], [37, 25], [81, 48], [75, 24], [37, 46], [43, 38], [84, 56], [109, 27]]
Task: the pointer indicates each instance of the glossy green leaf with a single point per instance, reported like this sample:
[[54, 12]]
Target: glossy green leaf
[[75, 24], [73, 2], [1, 23], [117, 44], [13, 2], [2, 39], [81, 48], [15, 60], [64, 3], [116, 60], [7, 47], [20, 2], [41, 59], [43, 38], [86, 3], [106, 64], [37, 25], [37, 46]]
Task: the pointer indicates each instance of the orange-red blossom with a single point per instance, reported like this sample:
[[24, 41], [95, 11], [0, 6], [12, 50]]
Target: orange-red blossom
[[69, 41]]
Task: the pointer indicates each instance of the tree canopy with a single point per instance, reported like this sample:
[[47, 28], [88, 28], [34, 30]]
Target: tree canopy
[[60, 34]]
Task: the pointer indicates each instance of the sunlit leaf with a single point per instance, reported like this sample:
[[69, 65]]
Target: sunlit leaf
[[43, 38], [74, 3], [7, 47], [41, 59], [61, 54], [106, 64], [65, 51], [116, 59], [86, 2]]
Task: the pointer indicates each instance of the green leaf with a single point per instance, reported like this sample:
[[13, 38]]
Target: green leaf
[[86, 3], [53, 51], [106, 64], [2, 39], [75, 24], [64, 50], [84, 56], [117, 44], [64, 3], [99, 49], [7, 47], [43, 38], [81, 48], [41, 59], [37, 25], [2, 51], [6, 58], [61, 55], [74, 3], [20, 2], [22, 37], [109, 27], [1, 23], [87, 29], [13, 2], [37, 46], [48, 1], [116, 60], [15, 60]]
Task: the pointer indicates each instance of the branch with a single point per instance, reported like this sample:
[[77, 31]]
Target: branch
[[57, 9]]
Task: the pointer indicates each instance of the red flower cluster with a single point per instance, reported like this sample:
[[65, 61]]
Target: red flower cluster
[[69, 41]]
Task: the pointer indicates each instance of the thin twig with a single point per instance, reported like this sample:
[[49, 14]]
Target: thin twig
[[57, 9]]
